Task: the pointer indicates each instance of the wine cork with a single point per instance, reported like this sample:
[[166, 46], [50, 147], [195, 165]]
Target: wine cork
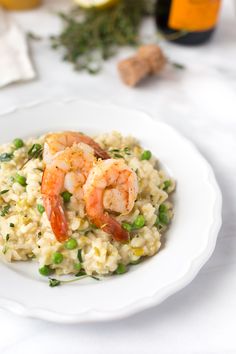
[[133, 70], [154, 55], [149, 60]]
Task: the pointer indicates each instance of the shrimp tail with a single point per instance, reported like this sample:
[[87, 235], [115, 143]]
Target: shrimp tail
[[98, 151], [56, 216], [104, 220], [112, 227]]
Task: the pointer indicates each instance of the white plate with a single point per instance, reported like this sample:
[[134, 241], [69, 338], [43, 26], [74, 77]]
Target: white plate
[[190, 239]]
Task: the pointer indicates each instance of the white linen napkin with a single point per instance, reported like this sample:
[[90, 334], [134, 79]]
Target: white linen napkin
[[15, 63]]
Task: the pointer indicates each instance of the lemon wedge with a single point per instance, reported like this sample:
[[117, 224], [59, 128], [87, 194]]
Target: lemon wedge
[[98, 4]]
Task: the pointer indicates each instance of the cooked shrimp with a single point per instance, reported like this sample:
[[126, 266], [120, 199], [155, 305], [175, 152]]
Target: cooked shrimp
[[68, 170], [59, 141], [112, 186]]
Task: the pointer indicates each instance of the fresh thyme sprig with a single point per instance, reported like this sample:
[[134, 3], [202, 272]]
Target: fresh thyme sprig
[[35, 152], [91, 35], [56, 282]]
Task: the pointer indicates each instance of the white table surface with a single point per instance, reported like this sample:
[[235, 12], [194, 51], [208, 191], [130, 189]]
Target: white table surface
[[201, 103]]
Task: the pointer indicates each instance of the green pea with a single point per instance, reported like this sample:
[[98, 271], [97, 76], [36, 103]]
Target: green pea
[[71, 244], [164, 219], [66, 196], [45, 270], [146, 155], [78, 266], [121, 269], [21, 180], [40, 208], [57, 257], [167, 184], [163, 208], [18, 143], [139, 222], [126, 226]]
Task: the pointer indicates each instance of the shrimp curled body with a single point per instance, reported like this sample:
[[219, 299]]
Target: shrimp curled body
[[67, 171], [68, 157], [111, 186], [57, 142]]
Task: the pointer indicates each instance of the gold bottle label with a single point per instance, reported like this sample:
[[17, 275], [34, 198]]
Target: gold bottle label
[[194, 15]]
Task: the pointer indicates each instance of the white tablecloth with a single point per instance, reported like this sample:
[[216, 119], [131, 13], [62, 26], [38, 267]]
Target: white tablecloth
[[201, 103]]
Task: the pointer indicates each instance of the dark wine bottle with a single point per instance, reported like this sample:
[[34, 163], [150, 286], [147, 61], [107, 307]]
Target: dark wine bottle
[[188, 22]]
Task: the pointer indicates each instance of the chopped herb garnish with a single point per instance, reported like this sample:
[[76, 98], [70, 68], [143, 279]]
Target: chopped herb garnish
[[5, 249], [118, 152], [54, 282], [5, 157], [127, 151], [81, 273], [5, 210], [7, 237], [119, 156], [79, 255], [66, 196], [178, 65], [33, 36], [4, 191], [35, 151], [11, 224], [114, 150]]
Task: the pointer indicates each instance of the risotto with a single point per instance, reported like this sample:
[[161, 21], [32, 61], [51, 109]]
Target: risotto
[[26, 233]]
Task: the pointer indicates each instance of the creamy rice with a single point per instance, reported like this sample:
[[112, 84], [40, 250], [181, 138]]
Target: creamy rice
[[26, 234]]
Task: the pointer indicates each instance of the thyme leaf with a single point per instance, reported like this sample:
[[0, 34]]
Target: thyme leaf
[[4, 191], [6, 157], [5, 210]]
